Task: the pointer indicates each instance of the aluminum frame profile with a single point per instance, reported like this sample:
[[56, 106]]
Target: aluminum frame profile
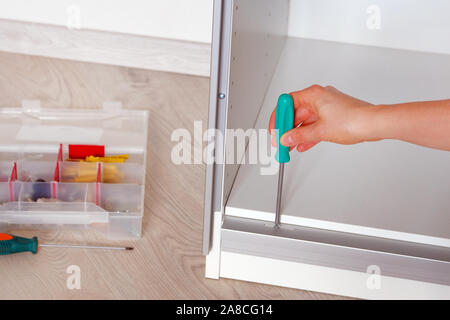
[[218, 101], [333, 249]]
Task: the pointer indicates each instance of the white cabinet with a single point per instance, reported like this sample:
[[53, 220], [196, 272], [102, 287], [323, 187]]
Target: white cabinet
[[370, 220]]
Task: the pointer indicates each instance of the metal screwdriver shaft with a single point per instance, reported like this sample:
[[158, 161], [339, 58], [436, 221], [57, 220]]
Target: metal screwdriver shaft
[[83, 247], [280, 189], [284, 121]]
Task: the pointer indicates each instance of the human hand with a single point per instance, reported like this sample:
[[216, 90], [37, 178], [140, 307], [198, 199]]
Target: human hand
[[325, 114]]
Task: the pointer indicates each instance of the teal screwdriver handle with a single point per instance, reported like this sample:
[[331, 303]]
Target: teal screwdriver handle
[[284, 121], [10, 244]]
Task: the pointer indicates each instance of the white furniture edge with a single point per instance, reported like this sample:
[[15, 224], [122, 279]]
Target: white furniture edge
[[324, 279], [212, 265], [105, 47]]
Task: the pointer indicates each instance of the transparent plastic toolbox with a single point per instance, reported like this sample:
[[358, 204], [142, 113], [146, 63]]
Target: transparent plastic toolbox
[[40, 187]]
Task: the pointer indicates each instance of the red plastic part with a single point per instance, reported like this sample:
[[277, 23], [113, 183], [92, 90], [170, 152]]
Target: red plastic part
[[81, 151], [60, 153], [14, 172], [11, 180], [54, 190], [5, 237], [56, 177], [56, 173]]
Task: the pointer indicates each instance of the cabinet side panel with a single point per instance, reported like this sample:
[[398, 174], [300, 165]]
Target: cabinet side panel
[[258, 35]]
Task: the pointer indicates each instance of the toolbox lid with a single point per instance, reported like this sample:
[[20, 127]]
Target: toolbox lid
[[28, 129]]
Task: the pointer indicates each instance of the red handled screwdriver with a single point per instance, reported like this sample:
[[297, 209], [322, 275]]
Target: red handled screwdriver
[[10, 244]]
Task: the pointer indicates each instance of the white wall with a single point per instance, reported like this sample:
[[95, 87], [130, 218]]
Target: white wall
[[188, 20], [422, 25], [408, 24]]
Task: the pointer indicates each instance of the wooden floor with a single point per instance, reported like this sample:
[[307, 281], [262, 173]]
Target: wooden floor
[[167, 262]]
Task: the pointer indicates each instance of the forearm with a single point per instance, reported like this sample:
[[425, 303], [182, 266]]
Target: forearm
[[422, 123]]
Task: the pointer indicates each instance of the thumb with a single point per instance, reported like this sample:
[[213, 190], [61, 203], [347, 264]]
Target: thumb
[[301, 135]]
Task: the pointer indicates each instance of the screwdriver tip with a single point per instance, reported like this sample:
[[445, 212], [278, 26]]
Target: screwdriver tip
[[129, 248]]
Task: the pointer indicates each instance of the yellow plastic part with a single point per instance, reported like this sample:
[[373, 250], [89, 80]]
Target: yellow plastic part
[[117, 159], [88, 173]]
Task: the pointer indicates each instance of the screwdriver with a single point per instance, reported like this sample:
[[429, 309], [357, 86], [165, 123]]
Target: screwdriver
[[10, 244], [284, 121]]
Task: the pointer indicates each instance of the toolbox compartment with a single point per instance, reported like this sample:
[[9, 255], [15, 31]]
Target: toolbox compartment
[[41, 188]]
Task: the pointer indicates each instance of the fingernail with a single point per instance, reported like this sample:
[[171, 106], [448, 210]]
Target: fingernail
[[287, 140]]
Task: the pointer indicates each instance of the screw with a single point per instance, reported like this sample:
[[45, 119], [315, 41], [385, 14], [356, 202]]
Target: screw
[[222, 96]]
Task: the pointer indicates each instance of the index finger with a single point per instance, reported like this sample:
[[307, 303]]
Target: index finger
[[303, 108]]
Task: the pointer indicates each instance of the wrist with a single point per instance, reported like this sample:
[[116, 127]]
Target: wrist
[[370, 123]]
